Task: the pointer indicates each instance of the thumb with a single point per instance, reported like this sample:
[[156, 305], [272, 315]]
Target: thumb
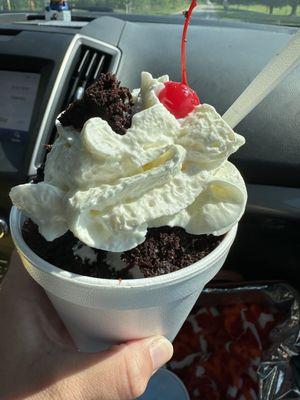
[[123, 372]]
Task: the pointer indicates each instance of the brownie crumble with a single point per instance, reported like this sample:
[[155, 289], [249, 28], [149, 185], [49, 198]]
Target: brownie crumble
[[164, 250], [169, 249], [39, 177], [60, 253], [106, 99]]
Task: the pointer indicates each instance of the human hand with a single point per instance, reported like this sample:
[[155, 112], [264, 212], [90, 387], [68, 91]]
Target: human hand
[[38, 360]]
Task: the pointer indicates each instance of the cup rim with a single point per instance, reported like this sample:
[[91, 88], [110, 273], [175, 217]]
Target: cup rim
[[205, 263]]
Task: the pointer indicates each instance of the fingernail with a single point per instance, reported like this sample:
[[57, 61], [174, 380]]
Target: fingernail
[[161, 350]]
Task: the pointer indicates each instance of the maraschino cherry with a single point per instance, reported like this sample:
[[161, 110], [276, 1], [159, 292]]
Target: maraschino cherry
[[178, 97]]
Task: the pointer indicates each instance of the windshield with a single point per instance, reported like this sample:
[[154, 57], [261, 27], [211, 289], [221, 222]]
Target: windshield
[[283, 12]]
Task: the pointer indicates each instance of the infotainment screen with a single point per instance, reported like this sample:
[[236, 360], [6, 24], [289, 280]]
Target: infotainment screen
[[17, 97]]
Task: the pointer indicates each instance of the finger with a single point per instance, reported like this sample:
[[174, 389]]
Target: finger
[[123, 372]]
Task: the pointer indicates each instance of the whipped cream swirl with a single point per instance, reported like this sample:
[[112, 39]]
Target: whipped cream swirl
[[108, 189]]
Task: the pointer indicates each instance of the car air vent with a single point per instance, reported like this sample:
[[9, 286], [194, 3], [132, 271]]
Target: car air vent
[[91, 63]]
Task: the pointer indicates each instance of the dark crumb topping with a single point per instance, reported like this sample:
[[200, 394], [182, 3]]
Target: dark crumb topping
[[60, 253], [39, 177], [169, 249], [164, 250], [105, 99]]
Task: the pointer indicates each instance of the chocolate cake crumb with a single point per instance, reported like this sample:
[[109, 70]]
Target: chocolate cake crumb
[[39, 177], [60, 253], [164, 250], [105, 99], [169, 249]]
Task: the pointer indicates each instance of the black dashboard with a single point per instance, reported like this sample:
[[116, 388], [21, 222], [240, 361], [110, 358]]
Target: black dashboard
[[223, 58]]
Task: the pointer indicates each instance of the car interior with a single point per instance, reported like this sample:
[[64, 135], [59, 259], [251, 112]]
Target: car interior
[[55, 61]]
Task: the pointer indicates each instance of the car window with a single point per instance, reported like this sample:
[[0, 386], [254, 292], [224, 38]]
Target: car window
[[282, 12]]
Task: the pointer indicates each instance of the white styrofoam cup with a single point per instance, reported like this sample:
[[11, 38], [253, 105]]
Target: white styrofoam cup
[[101, 312]]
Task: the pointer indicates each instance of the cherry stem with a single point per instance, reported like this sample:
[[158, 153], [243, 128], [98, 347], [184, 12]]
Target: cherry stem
[[183, 41]]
